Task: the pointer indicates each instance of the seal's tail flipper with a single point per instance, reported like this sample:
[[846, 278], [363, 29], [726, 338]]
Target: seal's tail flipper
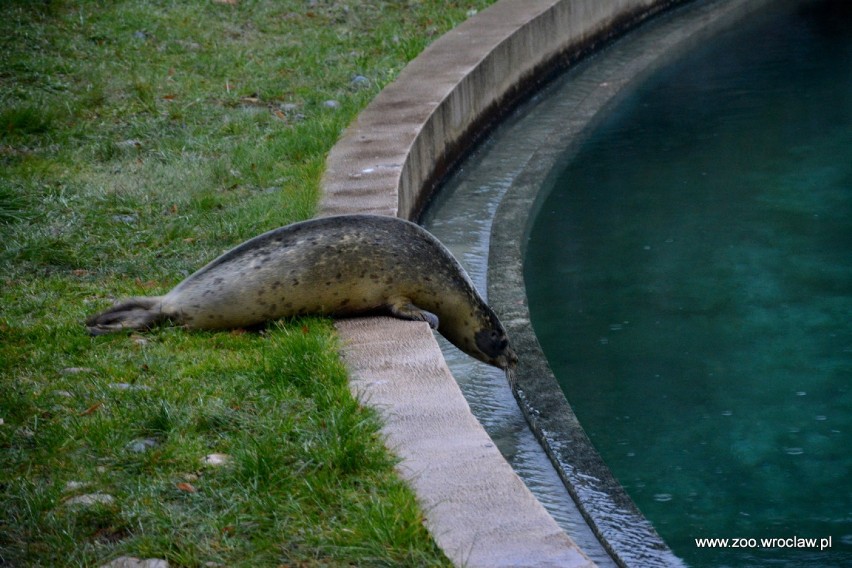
[[135, 313]]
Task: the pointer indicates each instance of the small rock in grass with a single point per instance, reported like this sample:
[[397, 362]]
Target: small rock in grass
[[331, 104], [141, 445], [126, 219], [130, 143], [215, 459], [91, 499], [74, 486], [129, 387], [359, 81], [131, 562], [75, 370]]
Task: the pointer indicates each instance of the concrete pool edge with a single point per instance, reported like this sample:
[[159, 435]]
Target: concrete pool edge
[[478, 510]]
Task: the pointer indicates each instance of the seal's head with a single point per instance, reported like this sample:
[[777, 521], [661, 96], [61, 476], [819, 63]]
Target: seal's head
[[493, 345]]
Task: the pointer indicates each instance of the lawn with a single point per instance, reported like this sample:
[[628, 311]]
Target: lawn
[[138, 140]]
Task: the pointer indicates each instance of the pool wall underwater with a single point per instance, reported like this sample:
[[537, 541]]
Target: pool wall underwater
[[389, 162]]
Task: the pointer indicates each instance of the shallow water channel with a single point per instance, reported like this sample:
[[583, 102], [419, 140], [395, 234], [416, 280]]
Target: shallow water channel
[[696, 237], [461, 218]]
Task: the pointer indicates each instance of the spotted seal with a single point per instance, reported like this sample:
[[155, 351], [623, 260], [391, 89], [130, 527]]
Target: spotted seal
[[338, 266]]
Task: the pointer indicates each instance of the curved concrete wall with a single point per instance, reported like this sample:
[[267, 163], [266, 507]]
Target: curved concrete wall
[[387, 162], [389, 159]]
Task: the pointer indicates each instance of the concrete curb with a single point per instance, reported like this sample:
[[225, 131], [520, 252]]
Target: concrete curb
[[477, 509], [387, 162]]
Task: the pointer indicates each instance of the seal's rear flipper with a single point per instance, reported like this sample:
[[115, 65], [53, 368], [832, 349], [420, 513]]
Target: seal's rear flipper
[[135, 313]]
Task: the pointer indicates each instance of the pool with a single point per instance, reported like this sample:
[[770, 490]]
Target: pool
[[689, 276]]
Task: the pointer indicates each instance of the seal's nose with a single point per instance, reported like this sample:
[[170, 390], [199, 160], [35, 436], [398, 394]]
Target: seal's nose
[[510, 359]]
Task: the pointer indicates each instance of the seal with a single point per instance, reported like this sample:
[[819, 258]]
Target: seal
[[341, 266]]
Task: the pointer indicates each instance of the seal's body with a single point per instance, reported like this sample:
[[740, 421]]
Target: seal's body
[[337, 266]]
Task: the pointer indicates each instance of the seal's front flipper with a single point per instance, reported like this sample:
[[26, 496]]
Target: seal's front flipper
[[404, 309], [136, 313]]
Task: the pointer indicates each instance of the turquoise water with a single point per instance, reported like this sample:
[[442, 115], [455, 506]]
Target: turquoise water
[[690, 280]]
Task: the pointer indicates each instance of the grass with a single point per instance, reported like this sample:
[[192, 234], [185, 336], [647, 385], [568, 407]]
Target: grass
[[306, 481], [138, 140]]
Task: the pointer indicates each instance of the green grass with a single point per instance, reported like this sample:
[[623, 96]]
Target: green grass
[[138, 140], [308, 479]]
